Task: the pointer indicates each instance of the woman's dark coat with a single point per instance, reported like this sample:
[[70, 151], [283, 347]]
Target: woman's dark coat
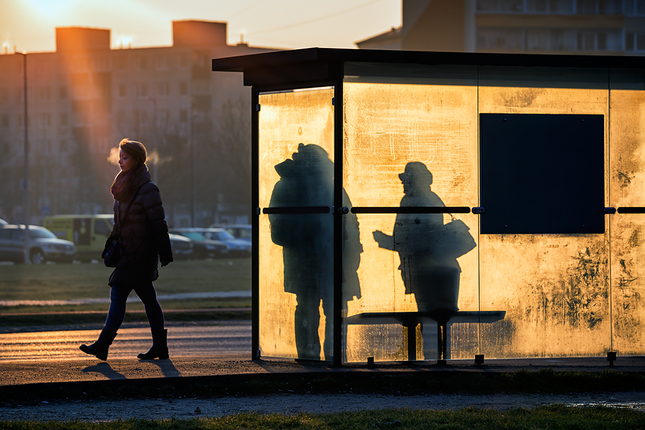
[[144, 232]]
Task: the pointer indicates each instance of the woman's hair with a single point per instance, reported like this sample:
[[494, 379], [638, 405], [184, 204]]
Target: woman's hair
[[134, 149]]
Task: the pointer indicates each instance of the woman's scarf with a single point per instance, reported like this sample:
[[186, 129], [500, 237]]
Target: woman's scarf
[[127, 183]]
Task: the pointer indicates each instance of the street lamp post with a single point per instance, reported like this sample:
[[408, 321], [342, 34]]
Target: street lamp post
[[194, 171], [154, 141], [26, 155]]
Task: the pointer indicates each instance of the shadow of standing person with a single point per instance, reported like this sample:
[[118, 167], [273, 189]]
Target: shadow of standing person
[[307, 181], [428, 269]]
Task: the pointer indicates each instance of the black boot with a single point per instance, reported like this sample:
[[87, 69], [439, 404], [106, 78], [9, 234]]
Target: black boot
[[100, 347], [159, 346]]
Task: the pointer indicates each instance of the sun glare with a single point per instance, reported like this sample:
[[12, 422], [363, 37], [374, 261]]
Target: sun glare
[[50, 9], [123, 42]]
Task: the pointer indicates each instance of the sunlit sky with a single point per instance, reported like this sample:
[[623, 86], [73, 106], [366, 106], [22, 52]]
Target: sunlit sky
[[29, 25]]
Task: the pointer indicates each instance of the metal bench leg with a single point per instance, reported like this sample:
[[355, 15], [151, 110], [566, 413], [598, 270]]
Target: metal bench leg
[[442, 339], [412, 341]]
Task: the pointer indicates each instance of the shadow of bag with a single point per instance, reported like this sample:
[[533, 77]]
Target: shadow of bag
[[453, 239]]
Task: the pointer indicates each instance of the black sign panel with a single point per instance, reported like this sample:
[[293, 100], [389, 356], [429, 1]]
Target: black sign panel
[[542, 174]]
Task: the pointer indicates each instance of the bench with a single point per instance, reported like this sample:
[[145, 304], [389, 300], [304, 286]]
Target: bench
[[411, 320]]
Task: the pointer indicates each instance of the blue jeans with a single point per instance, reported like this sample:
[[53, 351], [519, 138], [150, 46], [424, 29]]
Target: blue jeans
[[147, 294]]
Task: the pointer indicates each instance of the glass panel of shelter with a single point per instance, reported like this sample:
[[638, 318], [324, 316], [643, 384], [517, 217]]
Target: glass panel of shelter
[[296, 130], [413, 126], [410, 153], [552, 289], [627, 193]]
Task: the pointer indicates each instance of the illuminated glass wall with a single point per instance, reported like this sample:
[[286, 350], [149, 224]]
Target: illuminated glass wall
[[409, 144], [415, 136], [296, 227], [627, 191], [553, 287]]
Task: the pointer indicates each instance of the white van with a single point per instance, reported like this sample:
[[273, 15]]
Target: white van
[[88, 232]]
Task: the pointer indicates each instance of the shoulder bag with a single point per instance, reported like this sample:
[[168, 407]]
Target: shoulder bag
[[113, 249]]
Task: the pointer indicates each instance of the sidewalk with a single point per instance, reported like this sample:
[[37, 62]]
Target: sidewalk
[[189, 387], [92, 370]]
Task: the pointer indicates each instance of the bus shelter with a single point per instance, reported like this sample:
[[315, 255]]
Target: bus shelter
[[436, 206]]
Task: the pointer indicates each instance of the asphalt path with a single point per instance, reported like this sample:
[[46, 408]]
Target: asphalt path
[[187, 340]]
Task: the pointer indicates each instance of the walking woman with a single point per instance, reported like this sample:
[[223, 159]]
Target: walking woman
[[140, 218]]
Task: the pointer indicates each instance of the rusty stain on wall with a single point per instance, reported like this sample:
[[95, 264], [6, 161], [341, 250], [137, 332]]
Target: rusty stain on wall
[[523, 98]]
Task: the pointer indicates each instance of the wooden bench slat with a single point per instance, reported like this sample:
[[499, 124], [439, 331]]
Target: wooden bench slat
[[411, 319]]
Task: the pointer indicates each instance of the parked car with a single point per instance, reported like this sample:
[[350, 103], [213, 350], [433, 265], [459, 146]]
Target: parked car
[[3, 223], [44, 245], [240, 231], [236, 247], [182, 247], [202, 246]]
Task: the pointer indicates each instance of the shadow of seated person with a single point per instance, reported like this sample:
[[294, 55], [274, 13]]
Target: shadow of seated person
[[427, 248]]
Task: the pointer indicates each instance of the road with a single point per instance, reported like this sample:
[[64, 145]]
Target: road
[[226, 338]]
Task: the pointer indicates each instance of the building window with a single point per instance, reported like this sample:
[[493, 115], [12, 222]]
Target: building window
[[78, 65], [580, 7], [143, 62], [5, 120], [183, 61], [635, 7], [123, 90], [163, 89], [120, 63], [44, 93], [599, 7], [161, 63], [500, 6], [586, 42], [550, 6], [537, 39], [62, 93], [634, 42], [142, 90], [601, 40], [121, 117], [102, 63], [163, 116], [141, 117], [183, 115], [44, 120], [183, 88], [63, 119], [500, 39]]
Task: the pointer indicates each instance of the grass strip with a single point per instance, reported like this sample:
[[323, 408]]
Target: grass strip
[[78, 281], [556, 417]]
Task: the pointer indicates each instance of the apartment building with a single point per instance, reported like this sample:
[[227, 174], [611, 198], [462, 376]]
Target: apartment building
[[85, 97], [603, 27]]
